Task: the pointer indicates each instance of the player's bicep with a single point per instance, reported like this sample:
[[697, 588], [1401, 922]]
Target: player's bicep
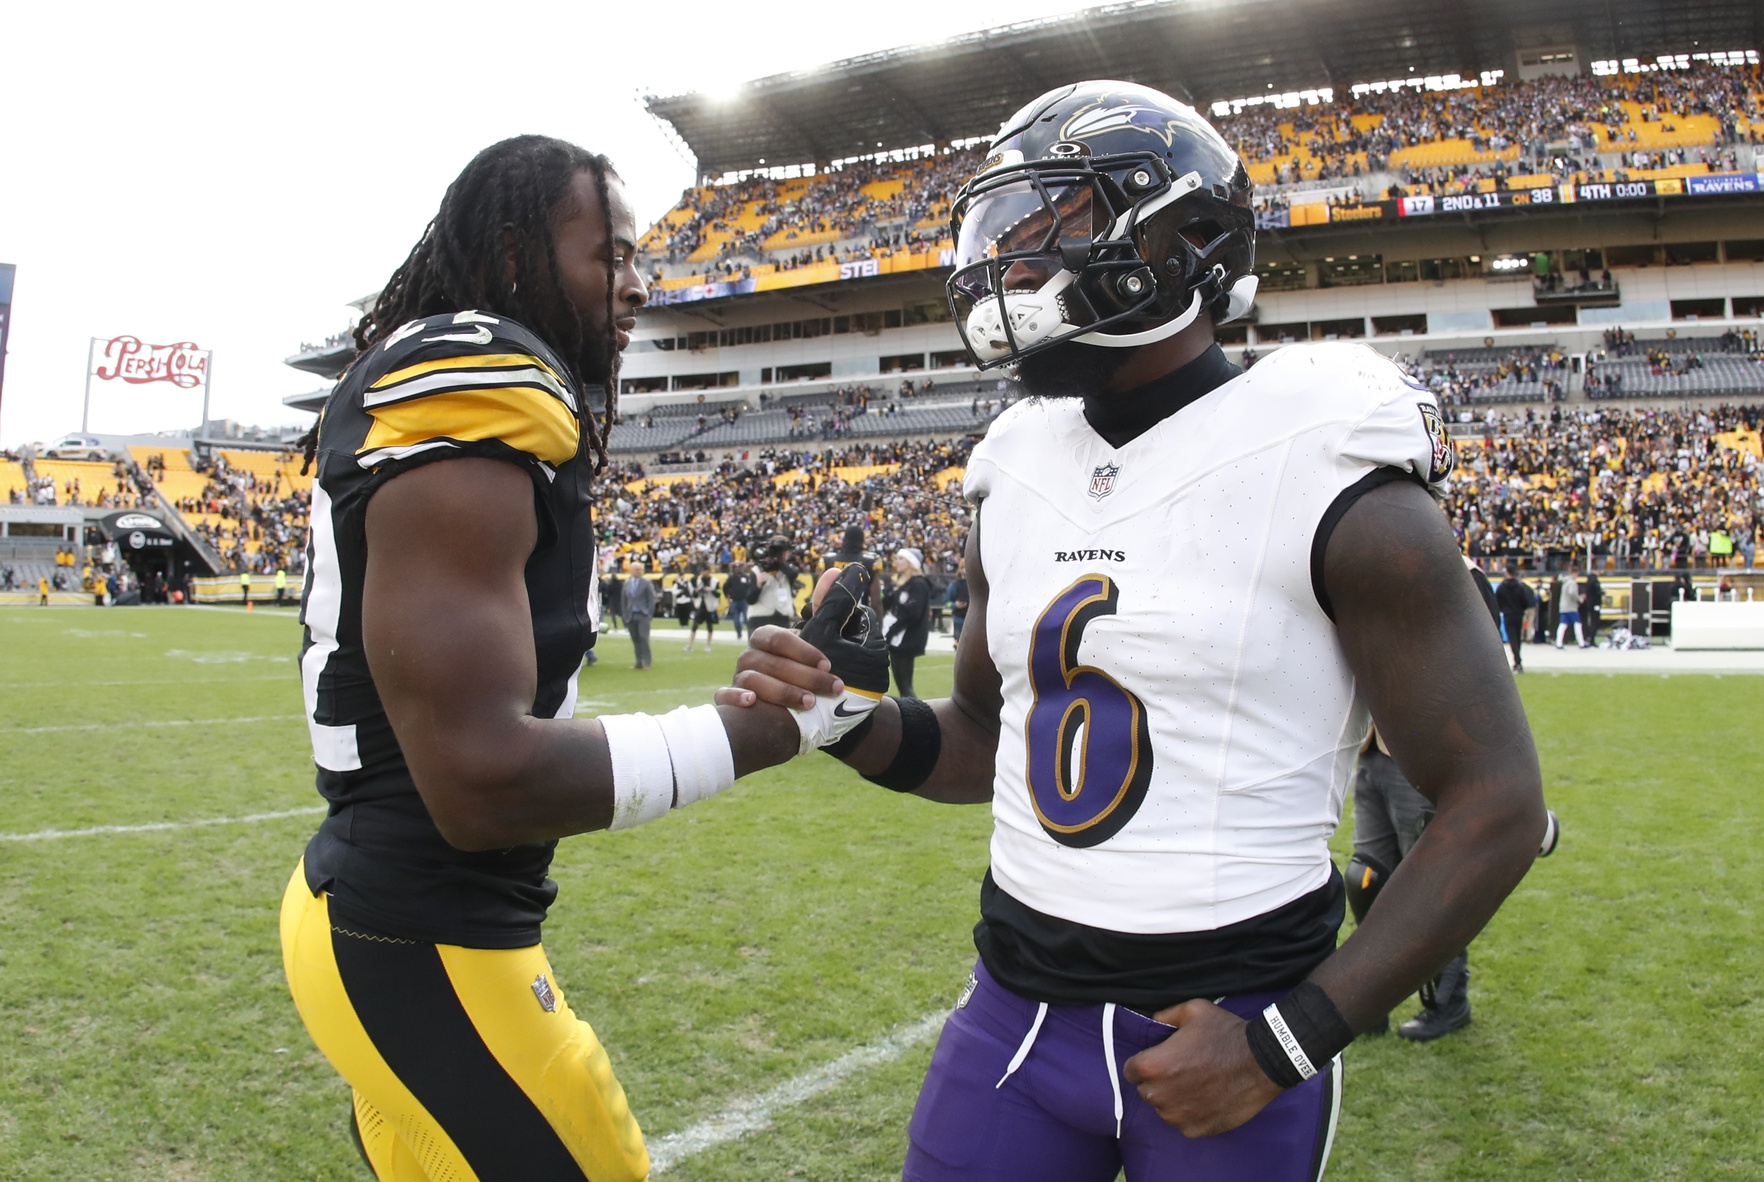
[[1416, 635], [445, 619], [977, 684]]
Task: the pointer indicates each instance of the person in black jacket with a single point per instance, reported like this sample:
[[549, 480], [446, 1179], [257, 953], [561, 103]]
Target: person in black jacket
[[740, 590], [1592, 595], [1513, 598], [908, 618]]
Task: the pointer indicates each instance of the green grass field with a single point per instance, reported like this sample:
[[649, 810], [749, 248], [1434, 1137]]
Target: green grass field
[[145, 1031]]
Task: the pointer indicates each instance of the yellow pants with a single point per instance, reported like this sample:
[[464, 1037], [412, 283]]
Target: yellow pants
[[467, 1063]]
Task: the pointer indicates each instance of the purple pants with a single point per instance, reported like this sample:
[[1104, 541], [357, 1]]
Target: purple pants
[[1054, 1117]]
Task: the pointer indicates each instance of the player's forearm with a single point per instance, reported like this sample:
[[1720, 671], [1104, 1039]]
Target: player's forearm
[[963, 772], [543, 779], [1473, 853]]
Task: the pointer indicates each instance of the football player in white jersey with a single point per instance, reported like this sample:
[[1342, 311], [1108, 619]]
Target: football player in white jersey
[[1191, 589]]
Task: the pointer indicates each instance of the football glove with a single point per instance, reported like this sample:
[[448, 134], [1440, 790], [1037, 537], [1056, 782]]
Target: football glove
[[846, 630]]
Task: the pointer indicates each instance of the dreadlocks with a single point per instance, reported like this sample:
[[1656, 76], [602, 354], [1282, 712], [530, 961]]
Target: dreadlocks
[[509, 200]]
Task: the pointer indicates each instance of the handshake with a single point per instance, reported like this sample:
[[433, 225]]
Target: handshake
[[837, 699]]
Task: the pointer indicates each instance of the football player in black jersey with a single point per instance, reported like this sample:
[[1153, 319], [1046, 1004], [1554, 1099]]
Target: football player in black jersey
[[451, 595], [1177, 725]]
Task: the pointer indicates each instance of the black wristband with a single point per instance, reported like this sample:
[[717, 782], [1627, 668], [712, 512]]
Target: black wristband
[[921, 742], [848, 742], [1296, 1037]]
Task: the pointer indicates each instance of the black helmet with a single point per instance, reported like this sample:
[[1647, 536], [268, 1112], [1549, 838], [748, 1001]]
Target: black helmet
[[1106, 213]]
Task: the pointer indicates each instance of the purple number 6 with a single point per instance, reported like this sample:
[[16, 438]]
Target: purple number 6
[[1089, 745]]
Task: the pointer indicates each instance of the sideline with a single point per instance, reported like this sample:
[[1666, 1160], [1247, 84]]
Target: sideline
[[160, 826], [751, 1116], [109, 726]]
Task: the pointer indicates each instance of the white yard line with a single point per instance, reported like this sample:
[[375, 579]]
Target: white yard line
[[110, 726], [158, 826], [751, 1116], [70, 683]]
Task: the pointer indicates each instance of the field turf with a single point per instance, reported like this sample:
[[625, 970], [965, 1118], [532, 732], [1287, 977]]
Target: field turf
[[146, 1033]]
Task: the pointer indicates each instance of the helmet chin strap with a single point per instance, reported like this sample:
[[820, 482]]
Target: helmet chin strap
[[1241, 296], [1162, 332]]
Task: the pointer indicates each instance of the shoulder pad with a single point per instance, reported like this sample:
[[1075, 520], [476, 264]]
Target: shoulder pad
[[467, 377]]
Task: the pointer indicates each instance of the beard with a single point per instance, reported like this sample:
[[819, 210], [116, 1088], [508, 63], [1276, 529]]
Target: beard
[[595, 361], [1070, 370]]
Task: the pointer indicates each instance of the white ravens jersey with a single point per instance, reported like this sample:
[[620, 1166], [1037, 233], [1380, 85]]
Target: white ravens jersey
[[1179, 722]]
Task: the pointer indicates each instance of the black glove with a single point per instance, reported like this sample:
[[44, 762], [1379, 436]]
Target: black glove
[[847, 632]]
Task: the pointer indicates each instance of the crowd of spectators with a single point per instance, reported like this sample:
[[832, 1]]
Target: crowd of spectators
[[1539, 371], [1605, 380], [891, 490], [1546, 125], [765, 219], [1635, 489], [124, 490], [1566, 128], [254, 522]]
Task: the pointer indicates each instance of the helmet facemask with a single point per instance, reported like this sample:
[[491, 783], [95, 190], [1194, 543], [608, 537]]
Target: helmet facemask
[[1060, 250]]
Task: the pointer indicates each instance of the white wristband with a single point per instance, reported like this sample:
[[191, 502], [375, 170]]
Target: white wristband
[[1289, 1042], [643, 775], [698, 745], [830, 717]]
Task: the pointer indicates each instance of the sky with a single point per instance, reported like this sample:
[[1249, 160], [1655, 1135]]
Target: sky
[[234, 174]]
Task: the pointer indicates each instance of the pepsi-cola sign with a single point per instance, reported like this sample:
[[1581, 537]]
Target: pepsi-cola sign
[[125, 358]]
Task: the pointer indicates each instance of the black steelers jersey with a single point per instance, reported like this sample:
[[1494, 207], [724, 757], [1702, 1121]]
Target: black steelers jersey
[[466, 384]]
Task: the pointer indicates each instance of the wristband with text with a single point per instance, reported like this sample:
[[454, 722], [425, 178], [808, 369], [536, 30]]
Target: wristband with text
[[1296, 1037]]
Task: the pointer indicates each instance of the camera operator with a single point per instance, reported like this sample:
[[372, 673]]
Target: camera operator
[[777, 578]]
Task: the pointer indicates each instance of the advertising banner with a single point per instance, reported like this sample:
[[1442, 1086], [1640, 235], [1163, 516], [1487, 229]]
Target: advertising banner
[[1733, 182], [125, 358], [701, 291], [7, 270], [142, 386]]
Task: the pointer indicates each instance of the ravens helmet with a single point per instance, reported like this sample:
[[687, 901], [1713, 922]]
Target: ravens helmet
[[1105, 213]]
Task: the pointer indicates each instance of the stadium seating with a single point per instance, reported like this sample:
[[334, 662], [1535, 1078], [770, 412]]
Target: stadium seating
[[83, 482], [12, 481], [249, 505], [1530, 373], [1517, 135]]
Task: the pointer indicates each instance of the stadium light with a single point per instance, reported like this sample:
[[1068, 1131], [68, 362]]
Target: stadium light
[[725, 92]]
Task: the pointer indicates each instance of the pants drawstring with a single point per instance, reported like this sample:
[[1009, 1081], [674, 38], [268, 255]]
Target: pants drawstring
[[1109, 1056], [1023, 1050]]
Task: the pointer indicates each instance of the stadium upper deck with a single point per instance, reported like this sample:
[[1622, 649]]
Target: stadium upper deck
[[1702, 117], [1432, 179]]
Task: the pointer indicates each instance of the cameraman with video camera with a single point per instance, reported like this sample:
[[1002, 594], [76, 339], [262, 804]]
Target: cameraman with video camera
[[777, 578]]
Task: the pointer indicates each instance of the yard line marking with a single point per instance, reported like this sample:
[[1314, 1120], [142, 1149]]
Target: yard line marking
[[105, 726], [157, 826], [66, 683], [751, 1116]]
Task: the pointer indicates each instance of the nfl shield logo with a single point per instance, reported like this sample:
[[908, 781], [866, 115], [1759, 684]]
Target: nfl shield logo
[[542, 991], [1102, 481]]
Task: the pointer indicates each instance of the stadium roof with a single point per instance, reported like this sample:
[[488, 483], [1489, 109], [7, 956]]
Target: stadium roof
[[1198, 50]]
